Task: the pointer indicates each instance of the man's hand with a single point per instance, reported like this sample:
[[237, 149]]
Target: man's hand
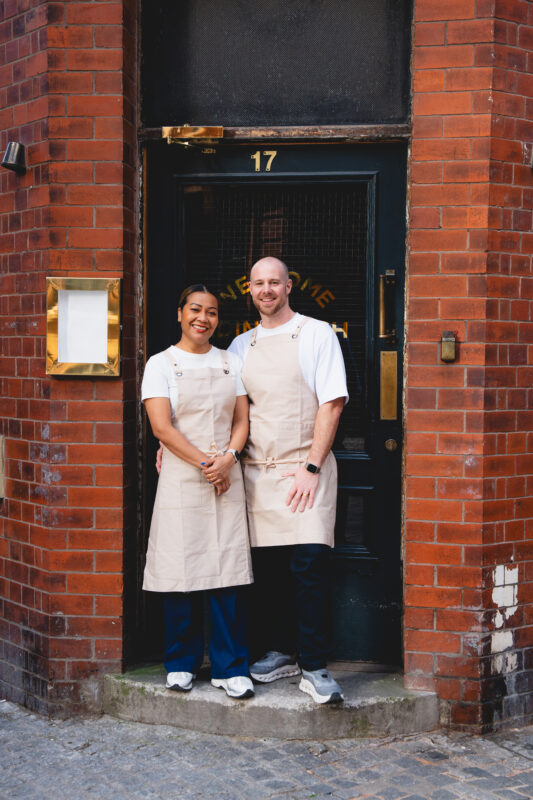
[[303, 490], [159, 459]]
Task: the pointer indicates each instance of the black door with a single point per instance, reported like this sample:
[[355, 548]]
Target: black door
[[336, 216]]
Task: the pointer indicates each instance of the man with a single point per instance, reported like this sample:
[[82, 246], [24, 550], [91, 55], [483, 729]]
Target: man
[[295, 378]]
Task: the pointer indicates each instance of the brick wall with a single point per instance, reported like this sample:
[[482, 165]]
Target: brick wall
[[66, 90], [468, 451]]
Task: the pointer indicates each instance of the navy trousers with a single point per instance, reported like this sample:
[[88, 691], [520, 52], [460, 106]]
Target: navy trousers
[[289, 609], [184, 636]]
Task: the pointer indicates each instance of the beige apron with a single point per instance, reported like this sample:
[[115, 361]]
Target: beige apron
[[282, 418], [197, 539]]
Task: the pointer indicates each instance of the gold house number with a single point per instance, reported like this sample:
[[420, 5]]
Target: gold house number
[[271, 155]]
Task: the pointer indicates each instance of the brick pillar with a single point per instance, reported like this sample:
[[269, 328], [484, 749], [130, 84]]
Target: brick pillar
[[468, 450], [67, 93]]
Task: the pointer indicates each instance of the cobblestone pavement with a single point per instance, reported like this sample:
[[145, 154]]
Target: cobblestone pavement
[[105, 758]]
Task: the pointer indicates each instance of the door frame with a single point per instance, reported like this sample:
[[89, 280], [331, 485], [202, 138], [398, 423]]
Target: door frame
[[352, 135]]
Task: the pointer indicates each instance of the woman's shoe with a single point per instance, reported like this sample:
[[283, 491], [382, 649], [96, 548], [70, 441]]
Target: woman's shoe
[[238, 687], [180, 681]]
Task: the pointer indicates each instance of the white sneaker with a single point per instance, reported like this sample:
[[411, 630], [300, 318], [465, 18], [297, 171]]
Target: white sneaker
[[180, 681], [238, 687]]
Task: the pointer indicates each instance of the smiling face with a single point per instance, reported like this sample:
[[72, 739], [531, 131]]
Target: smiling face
[[270, 287], [199, 319]]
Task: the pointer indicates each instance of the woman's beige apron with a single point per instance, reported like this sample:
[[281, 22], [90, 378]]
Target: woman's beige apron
[[282, 418], [197, 539]]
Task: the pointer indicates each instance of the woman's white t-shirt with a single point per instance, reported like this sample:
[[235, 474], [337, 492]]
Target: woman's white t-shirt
[[159, 379]]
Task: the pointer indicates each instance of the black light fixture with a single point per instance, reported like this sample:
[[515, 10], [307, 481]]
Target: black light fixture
[[14, 158]]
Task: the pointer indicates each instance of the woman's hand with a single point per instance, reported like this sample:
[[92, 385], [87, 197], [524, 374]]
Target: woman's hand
[[218, 470], [223, 486]]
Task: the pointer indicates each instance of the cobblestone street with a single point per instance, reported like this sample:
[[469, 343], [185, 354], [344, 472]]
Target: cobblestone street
[[105, 758]]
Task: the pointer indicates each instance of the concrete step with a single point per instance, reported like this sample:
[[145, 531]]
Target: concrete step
[[376, 704]]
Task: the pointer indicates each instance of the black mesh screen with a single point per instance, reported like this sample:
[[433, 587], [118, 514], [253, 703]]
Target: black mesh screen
[[275, 62], [320, 231]]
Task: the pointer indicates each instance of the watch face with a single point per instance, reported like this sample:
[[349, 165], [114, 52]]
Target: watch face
[[311, 468]]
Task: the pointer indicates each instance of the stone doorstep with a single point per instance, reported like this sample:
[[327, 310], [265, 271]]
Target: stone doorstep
[[376, 704]]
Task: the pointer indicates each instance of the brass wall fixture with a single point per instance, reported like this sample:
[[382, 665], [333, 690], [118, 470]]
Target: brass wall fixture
[[448, 346], [83, 326], [388, 401], [180, 134], [387, 296]]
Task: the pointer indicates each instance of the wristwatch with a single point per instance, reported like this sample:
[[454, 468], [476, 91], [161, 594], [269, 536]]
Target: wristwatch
[[235, 453], [312, 468]]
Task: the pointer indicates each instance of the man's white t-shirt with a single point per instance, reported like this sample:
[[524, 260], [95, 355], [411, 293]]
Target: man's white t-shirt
[[159, 379], [319, 353]]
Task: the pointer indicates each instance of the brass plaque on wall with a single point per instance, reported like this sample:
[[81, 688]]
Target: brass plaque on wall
[[83, 326]]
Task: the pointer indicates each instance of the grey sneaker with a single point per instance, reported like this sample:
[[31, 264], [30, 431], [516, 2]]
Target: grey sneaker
[[321, 686], [180, 681], [272, 666]]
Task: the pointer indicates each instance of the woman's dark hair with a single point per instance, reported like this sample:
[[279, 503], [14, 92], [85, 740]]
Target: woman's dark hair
[[196, 287]]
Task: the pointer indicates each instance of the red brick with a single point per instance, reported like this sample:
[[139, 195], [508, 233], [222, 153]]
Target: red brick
[[94, 106], [431, 10], [427, 597], [108, 13], [433, 102], [425, 509], [94, 411], [94, 497], [453, 620], [96, 540], [94, 454], [82, 583], [417, 575], [102, 59], [432, 642], [431, 553], [470, 31]]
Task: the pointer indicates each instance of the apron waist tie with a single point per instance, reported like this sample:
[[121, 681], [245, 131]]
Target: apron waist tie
[[214, 451], [271, 461]]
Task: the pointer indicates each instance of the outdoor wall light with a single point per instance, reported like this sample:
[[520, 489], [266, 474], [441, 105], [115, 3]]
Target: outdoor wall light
[[14, 158]]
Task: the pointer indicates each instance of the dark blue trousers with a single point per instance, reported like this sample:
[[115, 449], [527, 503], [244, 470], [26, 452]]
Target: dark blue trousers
[[289, 610], [184, 636]]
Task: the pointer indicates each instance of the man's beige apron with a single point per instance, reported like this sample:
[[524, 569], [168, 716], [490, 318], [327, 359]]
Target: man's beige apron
[[282, 418], [197, 539]]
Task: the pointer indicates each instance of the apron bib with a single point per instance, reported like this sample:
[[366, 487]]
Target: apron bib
[[198, 540], [282, 418]]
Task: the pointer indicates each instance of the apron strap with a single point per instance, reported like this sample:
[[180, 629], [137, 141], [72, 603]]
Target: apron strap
[[298, 328], [294, 334], [177, 370], [225, 362]]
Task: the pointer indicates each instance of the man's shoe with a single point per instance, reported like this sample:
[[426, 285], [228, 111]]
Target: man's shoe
[[321, 686], [180, 681], [238, 687], [272, 666]]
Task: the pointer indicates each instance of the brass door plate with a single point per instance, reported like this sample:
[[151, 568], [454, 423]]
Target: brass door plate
[[388, 384]]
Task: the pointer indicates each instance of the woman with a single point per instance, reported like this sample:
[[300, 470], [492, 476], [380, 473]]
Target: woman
[[198, 409]]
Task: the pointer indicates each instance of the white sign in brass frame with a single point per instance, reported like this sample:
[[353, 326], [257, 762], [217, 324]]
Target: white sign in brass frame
[[105, 323]]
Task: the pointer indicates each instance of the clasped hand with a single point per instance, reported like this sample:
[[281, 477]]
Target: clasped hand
[[216, 471]]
